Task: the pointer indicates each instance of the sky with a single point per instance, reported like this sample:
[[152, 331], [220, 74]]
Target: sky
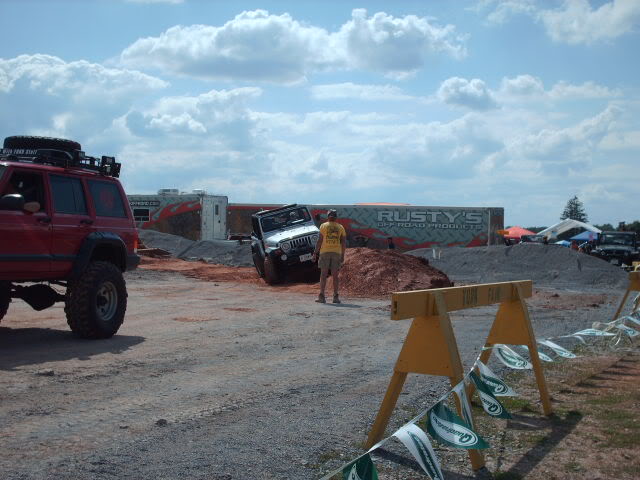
[[519, 104]]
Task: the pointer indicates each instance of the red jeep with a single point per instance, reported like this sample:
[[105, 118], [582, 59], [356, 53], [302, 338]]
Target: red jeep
[[65, 221]]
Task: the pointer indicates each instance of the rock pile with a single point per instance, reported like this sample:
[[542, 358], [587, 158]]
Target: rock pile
[[547, 265]]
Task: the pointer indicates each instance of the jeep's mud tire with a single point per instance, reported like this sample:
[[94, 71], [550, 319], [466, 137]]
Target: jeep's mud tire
[[257, 262], [5, 299], [95, 304], [20, 141], [271, 273]]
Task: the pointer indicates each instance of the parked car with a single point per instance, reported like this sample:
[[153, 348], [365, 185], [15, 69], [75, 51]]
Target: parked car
[[65, 222]]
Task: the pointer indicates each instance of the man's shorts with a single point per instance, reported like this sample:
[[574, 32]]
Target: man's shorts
[[330, 260]]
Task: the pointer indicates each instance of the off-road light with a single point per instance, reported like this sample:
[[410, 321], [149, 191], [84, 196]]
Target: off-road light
[[108, 160], [285, 246], [283, 257]]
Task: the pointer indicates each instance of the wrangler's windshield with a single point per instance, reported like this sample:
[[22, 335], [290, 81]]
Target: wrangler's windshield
[[617, 239], [282, 219]]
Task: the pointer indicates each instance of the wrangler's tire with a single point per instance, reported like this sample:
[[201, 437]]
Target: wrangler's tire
[[20, 141], [271, 273], [95, 304], [257, 262], [5, 299]]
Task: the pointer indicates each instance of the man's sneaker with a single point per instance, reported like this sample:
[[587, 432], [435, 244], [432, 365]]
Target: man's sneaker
[[321, 299], [336, 299]]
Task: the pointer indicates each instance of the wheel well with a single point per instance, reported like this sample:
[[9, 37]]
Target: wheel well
[[109, 253]]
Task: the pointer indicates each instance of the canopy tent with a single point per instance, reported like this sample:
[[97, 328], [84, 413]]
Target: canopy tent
[[585, 236], [554, 230], [517, 232]]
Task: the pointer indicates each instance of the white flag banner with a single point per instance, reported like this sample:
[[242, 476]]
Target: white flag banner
[[563, 352], [461, 392], [498, 387], [420, 447], [592, 332], [630, 318], [632, 332], [541, 355], [511, 358]]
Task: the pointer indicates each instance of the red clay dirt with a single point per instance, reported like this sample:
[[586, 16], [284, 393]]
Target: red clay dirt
[[365, 273]]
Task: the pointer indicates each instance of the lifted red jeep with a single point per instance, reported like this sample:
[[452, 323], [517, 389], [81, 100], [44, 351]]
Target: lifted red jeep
[[65, 221]]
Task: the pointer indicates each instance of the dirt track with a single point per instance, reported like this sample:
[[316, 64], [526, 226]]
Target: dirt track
[[220, 380]]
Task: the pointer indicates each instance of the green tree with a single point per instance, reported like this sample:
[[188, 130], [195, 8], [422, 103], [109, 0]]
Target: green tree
[[574, 210], [605, 227]]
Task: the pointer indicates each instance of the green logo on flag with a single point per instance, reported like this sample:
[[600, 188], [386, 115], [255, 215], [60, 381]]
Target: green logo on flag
[[490, 403], [511, 358], [447, 427], [419, 445], [361, 469], [497, 386], [431, 468]]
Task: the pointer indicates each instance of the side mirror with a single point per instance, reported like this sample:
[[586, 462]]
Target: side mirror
[[12, 201]]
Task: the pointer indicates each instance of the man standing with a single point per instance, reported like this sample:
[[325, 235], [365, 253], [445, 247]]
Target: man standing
[[330, 249]]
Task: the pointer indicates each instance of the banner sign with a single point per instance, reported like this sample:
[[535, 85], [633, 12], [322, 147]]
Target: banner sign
[[490, 403], [512, 359], [495, 383], [544, 356], [461, 392], [592, 332], [361, 469], [448, 428], [632, 332], [420, 447], [563, 352]]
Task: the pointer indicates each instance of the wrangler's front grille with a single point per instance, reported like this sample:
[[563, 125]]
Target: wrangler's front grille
[[301, 242]]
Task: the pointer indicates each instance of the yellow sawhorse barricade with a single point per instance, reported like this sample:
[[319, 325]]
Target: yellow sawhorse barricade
[[634, 286], [430, 347]]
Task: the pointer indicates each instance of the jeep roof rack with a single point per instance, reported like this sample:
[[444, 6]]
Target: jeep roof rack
[[61, 158], [275, 210]]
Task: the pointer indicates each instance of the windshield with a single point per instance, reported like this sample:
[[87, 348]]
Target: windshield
[[284, 219], [617, 239]]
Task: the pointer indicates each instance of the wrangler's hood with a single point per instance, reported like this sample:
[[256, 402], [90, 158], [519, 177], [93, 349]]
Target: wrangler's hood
[[296, 231]]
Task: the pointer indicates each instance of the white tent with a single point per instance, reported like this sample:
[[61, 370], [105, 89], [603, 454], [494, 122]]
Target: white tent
[[554, 230]]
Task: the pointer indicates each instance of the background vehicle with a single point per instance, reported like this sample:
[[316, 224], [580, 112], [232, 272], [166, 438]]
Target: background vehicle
[[65, 221], [282, 239], [620, 248], [532, 239]]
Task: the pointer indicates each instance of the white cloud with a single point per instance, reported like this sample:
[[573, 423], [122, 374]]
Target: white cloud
[[472, 94], [43, 94], [575, 22], [529, 88], [259, 46], [350, 90], [578, 23]]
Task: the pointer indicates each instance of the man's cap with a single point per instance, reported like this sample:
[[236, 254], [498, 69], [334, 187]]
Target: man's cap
[[332, 213]]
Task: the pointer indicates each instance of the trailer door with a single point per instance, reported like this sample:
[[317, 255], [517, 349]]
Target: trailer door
[[214, 217]]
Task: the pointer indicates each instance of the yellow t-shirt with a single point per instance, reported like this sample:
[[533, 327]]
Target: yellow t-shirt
[[332, 233]]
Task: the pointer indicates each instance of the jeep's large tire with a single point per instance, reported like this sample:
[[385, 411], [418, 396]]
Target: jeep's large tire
[[257, 262], [271, 273], [20, 141], [5, 299], [95, 304]]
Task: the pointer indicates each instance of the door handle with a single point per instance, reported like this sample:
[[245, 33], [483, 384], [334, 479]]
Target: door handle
[[86, 221], [44, 220]]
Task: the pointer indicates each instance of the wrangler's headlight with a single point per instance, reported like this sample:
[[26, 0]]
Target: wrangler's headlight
[[314, 239], [285, 246]]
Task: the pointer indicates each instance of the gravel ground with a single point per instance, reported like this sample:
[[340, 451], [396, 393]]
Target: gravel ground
[[213, 380]]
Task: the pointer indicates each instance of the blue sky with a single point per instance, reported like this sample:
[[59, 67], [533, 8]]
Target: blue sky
[[518, 104]]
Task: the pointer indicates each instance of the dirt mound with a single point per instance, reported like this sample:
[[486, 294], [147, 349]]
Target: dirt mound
[[173, 244], [374, 273], [547, 265]]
